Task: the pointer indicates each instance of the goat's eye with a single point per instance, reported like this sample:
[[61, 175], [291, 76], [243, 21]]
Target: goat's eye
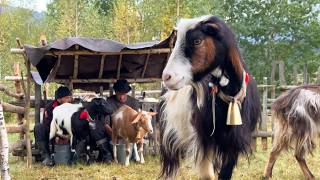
[[197, 42]]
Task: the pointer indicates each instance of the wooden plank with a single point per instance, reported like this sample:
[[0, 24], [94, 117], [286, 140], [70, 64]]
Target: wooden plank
[[145, 65], [119, 66], [103, 58], [55, 68], [263, 123], [138, 80], [262, 134], [75, 66], [37, 92], [26, 114], [86, 52]]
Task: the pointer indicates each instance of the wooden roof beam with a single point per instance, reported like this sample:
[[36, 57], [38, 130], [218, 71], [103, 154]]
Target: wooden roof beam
[[54, 70], [76, 64], [145, 65], [101, 66], [119, 66]]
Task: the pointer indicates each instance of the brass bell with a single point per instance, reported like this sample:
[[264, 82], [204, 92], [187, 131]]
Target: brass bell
[[234, 116]]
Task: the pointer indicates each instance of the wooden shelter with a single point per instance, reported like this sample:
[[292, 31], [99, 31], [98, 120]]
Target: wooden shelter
[[90, 64]]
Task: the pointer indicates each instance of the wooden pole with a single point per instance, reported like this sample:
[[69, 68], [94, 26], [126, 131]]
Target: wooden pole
[[7, 107], [26, 90], [4, 147], [26, 115], [263, 125], [18, 86], [37, 91]]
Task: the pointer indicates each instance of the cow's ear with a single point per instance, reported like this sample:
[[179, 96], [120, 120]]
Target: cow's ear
[[152, 113], [137, 118]]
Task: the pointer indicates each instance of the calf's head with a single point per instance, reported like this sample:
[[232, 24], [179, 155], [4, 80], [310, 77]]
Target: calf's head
[[203, 45], [143, 120]]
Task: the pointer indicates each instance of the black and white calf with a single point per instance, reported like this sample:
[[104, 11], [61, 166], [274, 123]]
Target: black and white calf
[[78, 122], [204, 74]]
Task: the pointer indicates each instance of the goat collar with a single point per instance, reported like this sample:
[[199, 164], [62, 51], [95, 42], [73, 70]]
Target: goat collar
[[234, 115], [239, 97], [85, 115]]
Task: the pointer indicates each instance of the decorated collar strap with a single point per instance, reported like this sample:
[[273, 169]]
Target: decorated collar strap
[[85, 115], [233, 116], [239, 97]]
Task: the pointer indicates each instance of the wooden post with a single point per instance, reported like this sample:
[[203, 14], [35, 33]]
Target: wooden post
[[111, 89], [37, 90], [273, 72], [45, 93], [26, 114], [282, 77], [263, 124], [273, 96], [4, 147], [133, 91], [101, 91], [17, 84]]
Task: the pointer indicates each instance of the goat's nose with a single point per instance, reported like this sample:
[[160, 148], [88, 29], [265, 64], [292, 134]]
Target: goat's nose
[[151, 131], [166, 76]]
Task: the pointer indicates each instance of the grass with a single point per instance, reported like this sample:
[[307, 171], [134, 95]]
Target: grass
[[286, 168]]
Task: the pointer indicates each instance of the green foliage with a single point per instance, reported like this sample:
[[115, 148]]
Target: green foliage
[[267, 31]]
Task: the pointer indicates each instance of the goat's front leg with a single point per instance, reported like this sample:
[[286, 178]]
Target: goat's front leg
[[128, 148], [227, 167], [140, 150], [205, 167]]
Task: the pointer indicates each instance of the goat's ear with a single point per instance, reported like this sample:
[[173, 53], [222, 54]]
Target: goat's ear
[[152, 113], [137, 118]]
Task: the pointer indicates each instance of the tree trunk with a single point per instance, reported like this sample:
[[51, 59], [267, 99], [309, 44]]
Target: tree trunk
[[4, 147]]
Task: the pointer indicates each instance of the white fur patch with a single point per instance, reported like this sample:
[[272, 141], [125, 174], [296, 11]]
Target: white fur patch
[[178, 66], [178, 115]]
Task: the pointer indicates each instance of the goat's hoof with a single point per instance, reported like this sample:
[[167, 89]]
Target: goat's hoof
[[116, 161], [142, 162]]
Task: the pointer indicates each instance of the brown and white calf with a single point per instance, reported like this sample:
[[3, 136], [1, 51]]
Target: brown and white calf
[[131, 126]]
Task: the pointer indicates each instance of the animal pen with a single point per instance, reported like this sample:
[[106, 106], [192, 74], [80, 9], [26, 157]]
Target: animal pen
[[94, 65], [80, 63]]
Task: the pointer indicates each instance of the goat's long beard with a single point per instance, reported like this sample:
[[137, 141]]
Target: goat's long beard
[[179, 138]]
